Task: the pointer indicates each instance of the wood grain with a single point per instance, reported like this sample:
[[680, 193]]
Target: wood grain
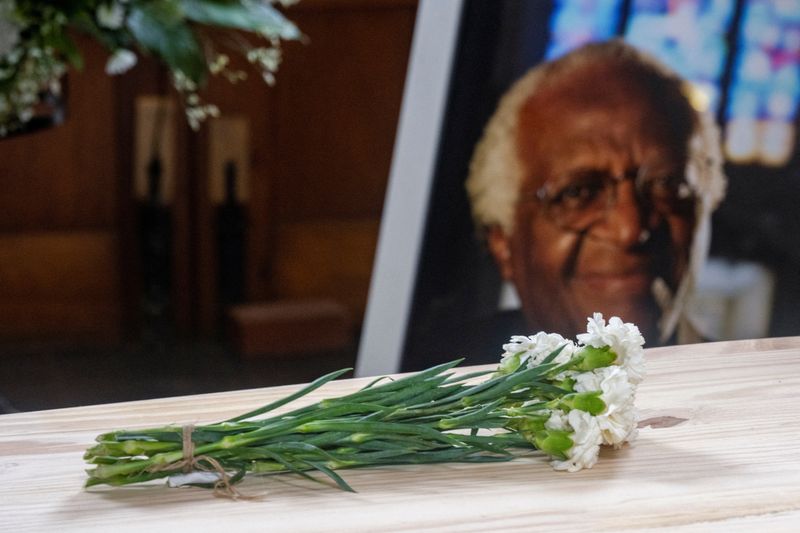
[[732, 464]]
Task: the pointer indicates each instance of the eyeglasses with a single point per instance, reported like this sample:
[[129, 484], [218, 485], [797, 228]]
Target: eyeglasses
[[582, 198]]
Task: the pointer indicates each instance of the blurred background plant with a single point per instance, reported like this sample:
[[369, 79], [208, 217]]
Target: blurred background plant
[[37, 46]]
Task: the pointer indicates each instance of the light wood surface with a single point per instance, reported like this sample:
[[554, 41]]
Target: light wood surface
[[720, 450]]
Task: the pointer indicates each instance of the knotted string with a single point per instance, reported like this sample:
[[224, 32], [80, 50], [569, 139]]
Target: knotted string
[[187, 447], [223, 487]]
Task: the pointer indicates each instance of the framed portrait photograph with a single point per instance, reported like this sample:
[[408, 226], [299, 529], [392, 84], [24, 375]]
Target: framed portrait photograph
[[457, 275]]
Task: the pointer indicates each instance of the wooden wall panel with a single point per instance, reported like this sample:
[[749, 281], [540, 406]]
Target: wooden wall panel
[[61, 271], [321, 148], [59, 284], [326, 259], [65, 176], [336, 106], [321, 145]]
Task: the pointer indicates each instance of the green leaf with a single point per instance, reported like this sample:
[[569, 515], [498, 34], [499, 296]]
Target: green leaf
[[409, 379], [375, 382], [465, 377], [64, 44], [486, 444], [84, 22], [333, 475], [551, 357], [317, 383], [467, 419], [378, 428], [470, 454], [412, 391], [505, 384], [159, 27], [301, 447], [289, 466], [246, 15]]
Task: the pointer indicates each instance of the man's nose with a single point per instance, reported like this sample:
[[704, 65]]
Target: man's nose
[[623, 223]]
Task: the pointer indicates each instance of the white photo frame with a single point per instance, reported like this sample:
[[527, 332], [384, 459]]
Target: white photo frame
[[413, 163]]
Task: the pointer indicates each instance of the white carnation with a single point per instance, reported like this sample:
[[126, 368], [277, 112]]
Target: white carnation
[[586, 441], [612, 381], [618, 421], [623, 338], [535, 348], [619, 426]]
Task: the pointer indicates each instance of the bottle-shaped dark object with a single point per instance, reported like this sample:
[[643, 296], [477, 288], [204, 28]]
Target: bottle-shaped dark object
[[231, 232], [155, 246]]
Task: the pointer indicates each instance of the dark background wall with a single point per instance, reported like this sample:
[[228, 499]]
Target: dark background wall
[[321, 144], [86, 318]]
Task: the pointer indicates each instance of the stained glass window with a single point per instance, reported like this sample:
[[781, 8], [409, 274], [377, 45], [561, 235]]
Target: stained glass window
[[577, 22], [687, 35], [762, 107], [762, 89]]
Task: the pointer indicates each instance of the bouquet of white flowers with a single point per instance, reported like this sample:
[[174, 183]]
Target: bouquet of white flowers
[[36, 45], [563, 398]]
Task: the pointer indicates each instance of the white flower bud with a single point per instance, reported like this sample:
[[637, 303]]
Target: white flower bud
[[536, 348], [110, 16], [120, 61]]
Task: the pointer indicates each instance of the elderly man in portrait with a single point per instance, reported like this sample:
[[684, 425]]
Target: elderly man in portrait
[[594, 183]]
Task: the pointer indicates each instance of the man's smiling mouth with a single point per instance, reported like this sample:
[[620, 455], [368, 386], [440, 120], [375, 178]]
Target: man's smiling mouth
[[637, 281]]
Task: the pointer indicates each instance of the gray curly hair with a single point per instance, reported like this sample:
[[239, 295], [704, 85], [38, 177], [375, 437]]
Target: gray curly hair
[[496, 172]]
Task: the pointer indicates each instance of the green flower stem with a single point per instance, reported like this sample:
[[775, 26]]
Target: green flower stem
[[467, 420], [317, 383], [466, 377], [428, 417], [382, 428], [366, 394], [500, 386]]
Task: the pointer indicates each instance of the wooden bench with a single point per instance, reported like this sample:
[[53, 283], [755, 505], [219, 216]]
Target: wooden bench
[[289, 327]]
